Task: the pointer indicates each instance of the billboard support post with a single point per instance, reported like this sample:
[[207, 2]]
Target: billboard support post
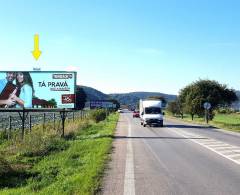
[[63, 115], [23, 117], [54, 119], [44, 120]]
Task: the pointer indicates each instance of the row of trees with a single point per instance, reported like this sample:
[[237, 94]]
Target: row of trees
[[192, 97]]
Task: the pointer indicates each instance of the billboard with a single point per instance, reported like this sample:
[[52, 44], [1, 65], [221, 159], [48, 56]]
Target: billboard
[[37, 89], [101, 104]]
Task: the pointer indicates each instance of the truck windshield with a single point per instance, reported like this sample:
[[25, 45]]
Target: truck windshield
[[152, 110]]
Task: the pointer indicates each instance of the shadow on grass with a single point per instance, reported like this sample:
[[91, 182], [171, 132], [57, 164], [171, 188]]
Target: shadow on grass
[[13, 179]]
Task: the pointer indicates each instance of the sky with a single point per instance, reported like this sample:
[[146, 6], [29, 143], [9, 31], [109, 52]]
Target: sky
[[125, 45]]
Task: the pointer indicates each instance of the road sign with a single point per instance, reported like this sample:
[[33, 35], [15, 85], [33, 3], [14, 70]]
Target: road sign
[[207, 105]]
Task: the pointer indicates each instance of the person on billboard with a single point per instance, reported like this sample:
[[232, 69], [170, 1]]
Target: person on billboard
[[25, 84], [10, 77], [7, 103], [7, 88]]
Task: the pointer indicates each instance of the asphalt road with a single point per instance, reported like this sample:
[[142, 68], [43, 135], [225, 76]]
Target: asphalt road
[[177, 159]]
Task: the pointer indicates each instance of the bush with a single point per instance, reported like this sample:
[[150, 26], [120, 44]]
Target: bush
[[211, 115], [98, 115], [224, 111]]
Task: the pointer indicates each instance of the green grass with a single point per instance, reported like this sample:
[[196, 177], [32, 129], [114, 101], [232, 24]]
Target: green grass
[[228, 121], [224, 121], [75, 169]]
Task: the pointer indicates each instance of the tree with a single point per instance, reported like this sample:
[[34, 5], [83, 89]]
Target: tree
[[81, 98], [229, 96], [114, 101], [175, 107], [188, 100], [172, 107], [193, 96], [52, 102], [179, 107]]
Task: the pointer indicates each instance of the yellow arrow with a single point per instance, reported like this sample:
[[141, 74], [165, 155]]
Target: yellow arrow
[[36, 52]]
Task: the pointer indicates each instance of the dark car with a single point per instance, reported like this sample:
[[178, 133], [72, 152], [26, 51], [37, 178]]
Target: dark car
[[136, 114]]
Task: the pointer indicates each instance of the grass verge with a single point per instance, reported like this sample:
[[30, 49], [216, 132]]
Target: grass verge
[[74, 166], [224, 121]]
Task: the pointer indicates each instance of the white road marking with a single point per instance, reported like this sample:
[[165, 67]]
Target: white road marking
[[129, 179], [233, 155], [226, 148], [221, 150], [231, 151], [218, 145], [209, 141]]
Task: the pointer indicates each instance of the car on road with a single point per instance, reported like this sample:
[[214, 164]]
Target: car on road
[[136, 114], [120, 110]]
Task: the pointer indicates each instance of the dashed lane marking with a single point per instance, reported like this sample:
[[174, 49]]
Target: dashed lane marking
[[129, 179]]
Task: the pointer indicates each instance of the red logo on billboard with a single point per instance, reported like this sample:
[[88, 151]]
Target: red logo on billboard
[[68, 98]]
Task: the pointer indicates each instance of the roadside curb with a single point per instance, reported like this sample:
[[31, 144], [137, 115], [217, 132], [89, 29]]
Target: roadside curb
[[229, 132]]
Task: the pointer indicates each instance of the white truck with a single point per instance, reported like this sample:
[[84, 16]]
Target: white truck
[[151, 112]]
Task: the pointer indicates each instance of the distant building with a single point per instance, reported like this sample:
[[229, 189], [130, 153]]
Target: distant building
[[40, 103]]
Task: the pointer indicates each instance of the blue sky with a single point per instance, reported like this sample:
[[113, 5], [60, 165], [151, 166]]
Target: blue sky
[[126, 45]]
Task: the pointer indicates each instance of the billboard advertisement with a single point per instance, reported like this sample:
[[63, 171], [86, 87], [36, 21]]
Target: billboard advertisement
[[101, 104], [37, 89]]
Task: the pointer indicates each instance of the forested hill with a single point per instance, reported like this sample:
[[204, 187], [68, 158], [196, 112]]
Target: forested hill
[[133, 97], [94, 94], [124, 98]]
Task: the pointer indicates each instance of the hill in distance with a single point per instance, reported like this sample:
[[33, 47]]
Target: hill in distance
[[238, 94], [93, 94], [123, 98], [133, 97]]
